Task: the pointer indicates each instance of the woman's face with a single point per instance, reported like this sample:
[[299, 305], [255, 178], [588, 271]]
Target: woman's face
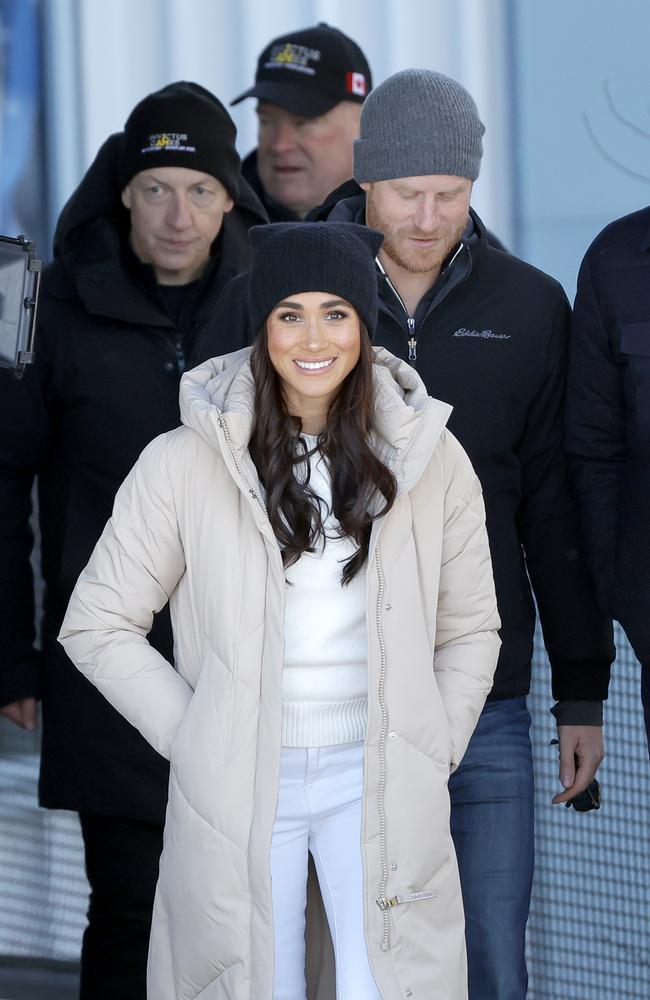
[[314, 343]]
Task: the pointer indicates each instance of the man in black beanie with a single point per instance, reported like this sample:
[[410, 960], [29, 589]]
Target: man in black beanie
[[155, 229]]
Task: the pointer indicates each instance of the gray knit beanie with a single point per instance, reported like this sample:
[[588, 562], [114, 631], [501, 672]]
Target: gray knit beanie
[[416, 123]]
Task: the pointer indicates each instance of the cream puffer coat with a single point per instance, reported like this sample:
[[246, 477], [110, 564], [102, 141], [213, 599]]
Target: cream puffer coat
[[189, 527]]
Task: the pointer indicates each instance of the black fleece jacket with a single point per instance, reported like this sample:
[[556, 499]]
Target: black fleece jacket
[[109, 358], [608, 419], [491, 339]]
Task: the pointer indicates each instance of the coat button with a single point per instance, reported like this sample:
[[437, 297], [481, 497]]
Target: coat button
[[393, 735], [169, 366]]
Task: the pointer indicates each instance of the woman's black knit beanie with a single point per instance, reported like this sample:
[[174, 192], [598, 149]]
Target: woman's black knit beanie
[[294, 257]]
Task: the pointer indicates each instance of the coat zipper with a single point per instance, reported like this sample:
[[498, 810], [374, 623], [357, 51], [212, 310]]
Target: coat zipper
[[384, 902], [381, 790], [410, 897], [253, 492], [179, 348], [410, 321]]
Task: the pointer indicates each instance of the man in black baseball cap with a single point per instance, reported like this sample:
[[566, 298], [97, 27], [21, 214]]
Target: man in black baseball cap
[[310, 86]]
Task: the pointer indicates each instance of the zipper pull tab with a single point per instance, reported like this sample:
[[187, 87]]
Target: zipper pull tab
[[386, 903], [180, 355], [413, 344]]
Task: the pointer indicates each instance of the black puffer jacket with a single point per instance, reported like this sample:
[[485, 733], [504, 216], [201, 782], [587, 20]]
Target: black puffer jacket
[[608, 419], [105, 383], [275, 211]]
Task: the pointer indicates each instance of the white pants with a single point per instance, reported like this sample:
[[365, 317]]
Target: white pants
[[319, 811]]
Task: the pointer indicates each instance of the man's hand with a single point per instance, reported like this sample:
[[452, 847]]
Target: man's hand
[[581, 753], [22, 713]]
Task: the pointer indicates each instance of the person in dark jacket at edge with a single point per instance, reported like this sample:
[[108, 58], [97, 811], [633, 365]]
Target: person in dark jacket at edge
[[310, 85], [156, 228], [608, 425], [488, 333]]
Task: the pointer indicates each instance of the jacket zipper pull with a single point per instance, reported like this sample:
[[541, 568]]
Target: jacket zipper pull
[[413, 344], [386, 903], [180, 354]]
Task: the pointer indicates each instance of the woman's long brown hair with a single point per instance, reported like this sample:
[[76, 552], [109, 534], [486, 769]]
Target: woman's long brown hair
[[357, 474]]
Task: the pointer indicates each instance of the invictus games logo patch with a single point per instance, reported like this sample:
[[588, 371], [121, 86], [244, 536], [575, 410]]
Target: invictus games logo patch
[[295, 57], [172, 141]]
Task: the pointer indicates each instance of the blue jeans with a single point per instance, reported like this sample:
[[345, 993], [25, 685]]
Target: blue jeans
[[492, 826]]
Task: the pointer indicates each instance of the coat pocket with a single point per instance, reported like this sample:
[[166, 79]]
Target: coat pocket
[[418, 810], [207, 725], [635, 353], [635, 338]]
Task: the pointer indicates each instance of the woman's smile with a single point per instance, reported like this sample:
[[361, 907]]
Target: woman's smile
[[315, 367]]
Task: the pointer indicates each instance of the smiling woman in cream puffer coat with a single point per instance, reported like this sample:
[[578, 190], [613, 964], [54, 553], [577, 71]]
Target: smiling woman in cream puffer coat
[[190, 526]]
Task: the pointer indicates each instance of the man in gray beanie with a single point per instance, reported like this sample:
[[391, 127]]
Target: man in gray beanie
[[488, 333]]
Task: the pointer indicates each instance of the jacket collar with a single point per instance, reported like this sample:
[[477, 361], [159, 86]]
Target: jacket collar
[[408, 422], [275, 211], [97, 256], [348, 204]]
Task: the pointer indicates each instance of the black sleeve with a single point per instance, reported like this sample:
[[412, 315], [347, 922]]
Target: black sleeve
[[24, 434], [595, 434], [577, 634], [229, 323]]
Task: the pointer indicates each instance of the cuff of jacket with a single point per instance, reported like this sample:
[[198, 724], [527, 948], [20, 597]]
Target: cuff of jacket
[[581, 680], [20, 679], [578, 713]]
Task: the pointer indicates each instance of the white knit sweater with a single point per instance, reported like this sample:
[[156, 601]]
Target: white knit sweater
[[324, 682]]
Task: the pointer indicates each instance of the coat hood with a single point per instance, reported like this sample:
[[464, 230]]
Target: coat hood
[[408, 422], [91, 236], [98, 196]]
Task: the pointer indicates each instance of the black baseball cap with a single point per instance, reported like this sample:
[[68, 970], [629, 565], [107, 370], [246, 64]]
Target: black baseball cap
[[311, 71]]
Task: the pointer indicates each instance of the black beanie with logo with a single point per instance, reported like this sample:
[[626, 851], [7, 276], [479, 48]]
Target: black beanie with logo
[[182, 125]]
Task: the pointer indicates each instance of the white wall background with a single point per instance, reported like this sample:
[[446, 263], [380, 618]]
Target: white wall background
[[563, 55]]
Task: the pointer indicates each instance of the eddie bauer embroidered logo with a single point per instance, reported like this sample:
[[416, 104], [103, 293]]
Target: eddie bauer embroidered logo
[[482, 334]]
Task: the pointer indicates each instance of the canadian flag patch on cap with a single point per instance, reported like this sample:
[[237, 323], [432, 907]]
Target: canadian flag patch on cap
[[355, 83]]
